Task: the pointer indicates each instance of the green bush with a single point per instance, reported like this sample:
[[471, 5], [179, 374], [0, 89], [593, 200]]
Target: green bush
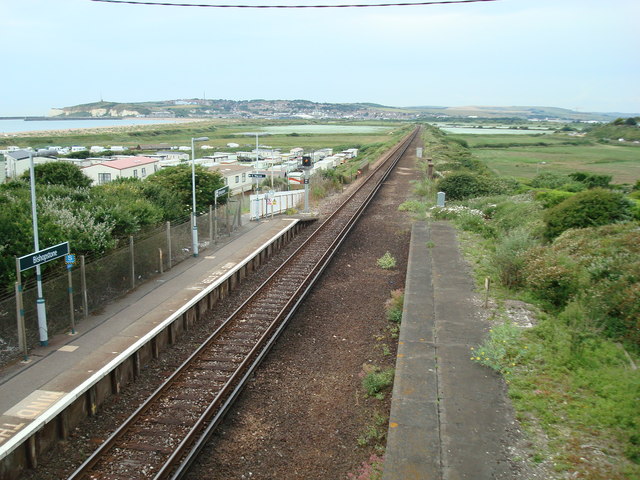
[[591, 180], [516, 212], [600, 267], [386, 262], [552, 277], [462, 185], [374, 383], [551, 198], [552, 180], [394, 305], [590, 208], [509, 257]]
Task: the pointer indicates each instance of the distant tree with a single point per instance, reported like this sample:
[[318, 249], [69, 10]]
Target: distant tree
[[59, 173], [632, 122], [81, 154], [178, 179]]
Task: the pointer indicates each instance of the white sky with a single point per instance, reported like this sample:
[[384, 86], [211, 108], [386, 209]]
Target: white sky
[[578, 54]]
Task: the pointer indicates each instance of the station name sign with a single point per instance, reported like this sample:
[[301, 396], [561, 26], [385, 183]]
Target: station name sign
[[43, 256]]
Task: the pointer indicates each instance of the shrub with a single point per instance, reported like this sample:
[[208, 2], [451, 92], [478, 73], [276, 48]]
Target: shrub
[[462, 185], [550, 180], [514, 213], [387, 262], [551, 276], [591, 180], [374, 383], [393, 306], [608, 259], [551, 198], [591, 208], [509, 257], [502, 349], [413, 206]]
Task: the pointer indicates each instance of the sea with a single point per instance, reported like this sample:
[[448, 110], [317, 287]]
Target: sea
[[19, 125]]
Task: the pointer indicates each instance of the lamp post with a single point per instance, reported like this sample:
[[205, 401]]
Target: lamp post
[[194, 214], [40, 303]]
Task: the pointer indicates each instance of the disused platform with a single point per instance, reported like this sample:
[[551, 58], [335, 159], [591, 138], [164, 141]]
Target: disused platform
[[44, 398], [447, 416]]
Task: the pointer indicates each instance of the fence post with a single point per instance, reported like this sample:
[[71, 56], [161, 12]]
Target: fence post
[[161, 262], [70, 290], [211, 224], [83, 286], [226, 211], [22, 332], [169, 244], [133, 263]]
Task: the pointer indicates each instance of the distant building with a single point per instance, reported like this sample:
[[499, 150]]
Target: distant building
[[124, 167]]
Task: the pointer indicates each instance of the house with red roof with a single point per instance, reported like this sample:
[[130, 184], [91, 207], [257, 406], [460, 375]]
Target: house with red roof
[[122, 167]]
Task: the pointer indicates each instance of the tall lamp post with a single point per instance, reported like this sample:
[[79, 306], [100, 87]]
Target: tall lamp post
[[194, 219], [40, 303]]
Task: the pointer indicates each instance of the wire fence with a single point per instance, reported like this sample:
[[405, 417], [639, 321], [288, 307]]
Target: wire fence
[[102, 280]]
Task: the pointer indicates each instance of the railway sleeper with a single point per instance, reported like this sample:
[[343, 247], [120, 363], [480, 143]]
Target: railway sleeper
[[146, 447]]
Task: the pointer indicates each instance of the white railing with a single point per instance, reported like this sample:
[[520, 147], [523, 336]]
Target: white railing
[[273, 203]]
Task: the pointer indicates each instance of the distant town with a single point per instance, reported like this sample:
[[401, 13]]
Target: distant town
[[307, 110]]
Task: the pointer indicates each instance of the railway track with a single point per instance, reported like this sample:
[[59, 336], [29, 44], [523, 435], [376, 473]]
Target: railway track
[[162, 437]]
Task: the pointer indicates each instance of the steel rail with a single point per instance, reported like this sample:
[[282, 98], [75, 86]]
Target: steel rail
[[182, 455]]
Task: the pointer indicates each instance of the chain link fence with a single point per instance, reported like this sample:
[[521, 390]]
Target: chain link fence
[[104, 279]]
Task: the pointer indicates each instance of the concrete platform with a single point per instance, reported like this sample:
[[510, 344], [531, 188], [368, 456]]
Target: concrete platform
[[447, 416], [33, 392]]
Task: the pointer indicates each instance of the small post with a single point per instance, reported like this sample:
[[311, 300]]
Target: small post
[[440, 201], [22, 331], [133, 263], [487, 284], [169, 245], [83, 286], [22, 334], [215, 228], [160, 258], [430, 169], [226, 211], [70, 290], [306, 190], [211, 223]]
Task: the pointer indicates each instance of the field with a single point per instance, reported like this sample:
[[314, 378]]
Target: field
[[525, 160], [220, 132]]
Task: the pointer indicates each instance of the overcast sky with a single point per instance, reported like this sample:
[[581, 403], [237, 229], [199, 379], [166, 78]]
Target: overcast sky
[[578, 54]]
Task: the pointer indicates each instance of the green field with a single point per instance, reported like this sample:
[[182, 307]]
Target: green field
[[220, 132], [525, 162], [498, 140]]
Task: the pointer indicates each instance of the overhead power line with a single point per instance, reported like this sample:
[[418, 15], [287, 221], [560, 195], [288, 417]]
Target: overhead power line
[[352, 5]]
